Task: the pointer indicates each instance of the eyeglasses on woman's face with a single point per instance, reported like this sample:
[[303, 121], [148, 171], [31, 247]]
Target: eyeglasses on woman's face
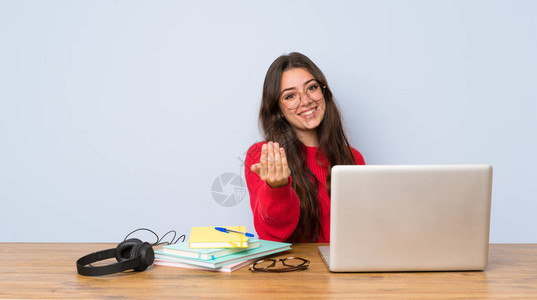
[[292, 99], [289, 264]]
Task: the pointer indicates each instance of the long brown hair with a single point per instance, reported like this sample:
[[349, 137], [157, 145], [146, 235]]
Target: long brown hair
[[333, 142]]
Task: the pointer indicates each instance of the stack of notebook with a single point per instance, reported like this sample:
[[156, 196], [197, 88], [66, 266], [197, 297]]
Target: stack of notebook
[[214, 250]]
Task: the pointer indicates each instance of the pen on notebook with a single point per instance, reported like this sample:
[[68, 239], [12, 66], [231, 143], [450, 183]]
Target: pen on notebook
[[235, 231]]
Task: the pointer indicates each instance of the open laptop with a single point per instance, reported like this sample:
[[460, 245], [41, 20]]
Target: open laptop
[[409, 218]]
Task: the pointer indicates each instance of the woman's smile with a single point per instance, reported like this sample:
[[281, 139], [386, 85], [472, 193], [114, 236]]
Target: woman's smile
[[309, 113]]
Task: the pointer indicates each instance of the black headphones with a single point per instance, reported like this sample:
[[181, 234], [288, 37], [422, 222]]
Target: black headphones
[[130, 254]]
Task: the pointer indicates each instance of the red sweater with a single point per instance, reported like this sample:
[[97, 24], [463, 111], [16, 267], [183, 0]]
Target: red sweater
[[276, 211]]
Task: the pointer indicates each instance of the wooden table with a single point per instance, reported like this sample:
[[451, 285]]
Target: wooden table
[[48, 271]]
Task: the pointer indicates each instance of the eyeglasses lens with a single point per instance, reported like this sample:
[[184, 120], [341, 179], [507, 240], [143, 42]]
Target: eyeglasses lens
[[264, 264], [293, 262], [314, 91]]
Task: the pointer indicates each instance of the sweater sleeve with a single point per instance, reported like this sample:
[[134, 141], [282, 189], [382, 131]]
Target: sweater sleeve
[[276, 211]]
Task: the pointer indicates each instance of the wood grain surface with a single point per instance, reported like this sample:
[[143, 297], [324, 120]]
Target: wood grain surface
[[46, 270]]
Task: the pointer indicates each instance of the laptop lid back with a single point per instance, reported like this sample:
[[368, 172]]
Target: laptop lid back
[[410, 218]]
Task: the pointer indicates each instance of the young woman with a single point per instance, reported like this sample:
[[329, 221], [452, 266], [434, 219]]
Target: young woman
[[288, 176]]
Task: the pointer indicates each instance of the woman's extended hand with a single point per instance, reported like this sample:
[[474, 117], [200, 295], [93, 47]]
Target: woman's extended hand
[[272, 166]]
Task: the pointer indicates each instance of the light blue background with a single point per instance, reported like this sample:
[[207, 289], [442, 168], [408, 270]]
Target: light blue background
[[120, 114]]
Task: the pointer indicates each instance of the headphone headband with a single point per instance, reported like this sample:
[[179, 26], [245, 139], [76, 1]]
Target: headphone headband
[[108, 269], [140, 256]]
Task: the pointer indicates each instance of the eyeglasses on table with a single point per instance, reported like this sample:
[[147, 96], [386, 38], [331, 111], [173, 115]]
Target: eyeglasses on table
[[289, 264]]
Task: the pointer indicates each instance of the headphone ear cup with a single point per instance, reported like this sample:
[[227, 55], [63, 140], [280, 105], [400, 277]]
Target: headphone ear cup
[[125, 249], [147, 255]]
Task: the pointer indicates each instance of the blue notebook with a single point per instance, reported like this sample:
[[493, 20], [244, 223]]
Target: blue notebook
[[265, 248], [183, 250]]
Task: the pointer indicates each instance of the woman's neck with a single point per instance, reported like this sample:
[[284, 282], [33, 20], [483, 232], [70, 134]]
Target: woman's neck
[[308, 138]]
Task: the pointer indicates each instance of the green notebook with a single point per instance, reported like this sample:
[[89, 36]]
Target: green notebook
[[183, 250], [265, 248]]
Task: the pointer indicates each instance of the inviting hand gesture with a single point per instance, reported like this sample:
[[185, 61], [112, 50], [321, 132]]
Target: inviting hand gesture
[[272, 166]]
